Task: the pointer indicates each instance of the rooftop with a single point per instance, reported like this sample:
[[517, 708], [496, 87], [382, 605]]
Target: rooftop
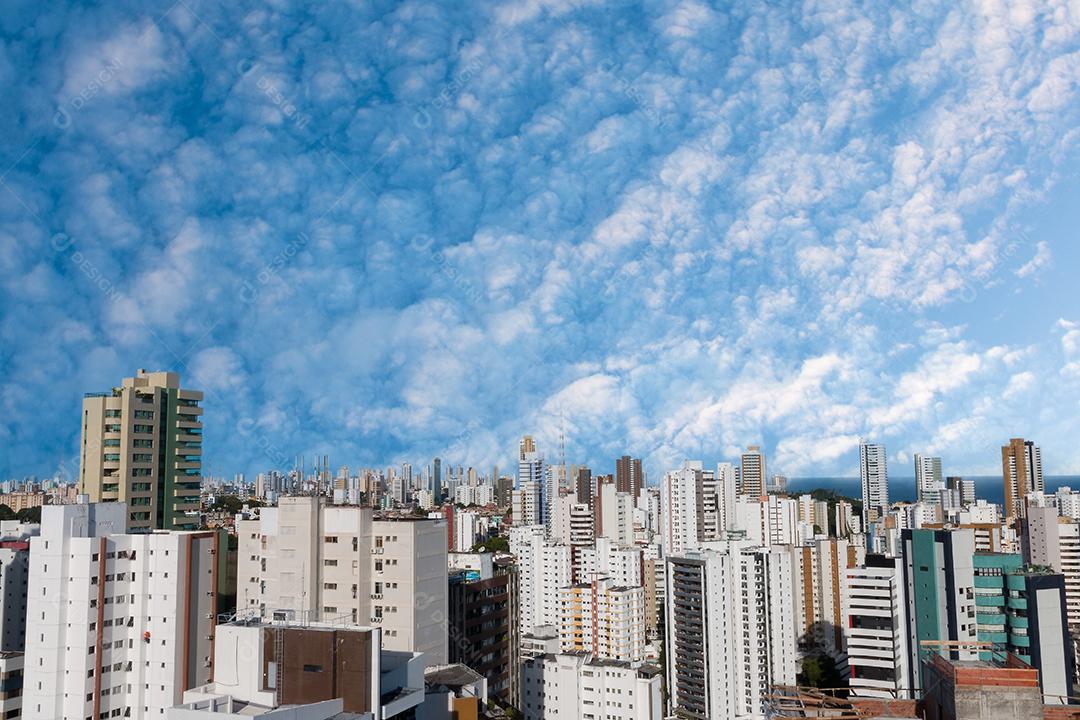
[[452, 676]]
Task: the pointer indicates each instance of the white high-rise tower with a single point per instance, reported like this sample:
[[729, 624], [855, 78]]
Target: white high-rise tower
[[875, 481]]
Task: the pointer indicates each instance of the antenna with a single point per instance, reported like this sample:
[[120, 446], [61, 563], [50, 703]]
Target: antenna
[[563, 480]]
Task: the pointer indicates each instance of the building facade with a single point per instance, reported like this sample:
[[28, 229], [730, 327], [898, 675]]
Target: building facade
[[117, 622], [874, 474], [1021, 472], [580, 687], [730, 629], [483, 627], [309, 560], [142, 445]]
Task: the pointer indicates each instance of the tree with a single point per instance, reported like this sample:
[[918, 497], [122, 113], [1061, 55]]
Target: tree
[[819, 671], [495, 544], [30, 515], [6, 513], [232, 504]]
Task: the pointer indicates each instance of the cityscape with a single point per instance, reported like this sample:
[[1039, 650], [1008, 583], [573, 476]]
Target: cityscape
[[545, 590], [540, 360]]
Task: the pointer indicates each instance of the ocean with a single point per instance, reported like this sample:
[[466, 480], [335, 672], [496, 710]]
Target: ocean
[[989, 487]]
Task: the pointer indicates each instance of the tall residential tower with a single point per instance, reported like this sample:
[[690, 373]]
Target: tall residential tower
[[142, 445], [875, 482], [1021, 470]]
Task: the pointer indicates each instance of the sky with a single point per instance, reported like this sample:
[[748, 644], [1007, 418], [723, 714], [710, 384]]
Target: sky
[[389, 231]]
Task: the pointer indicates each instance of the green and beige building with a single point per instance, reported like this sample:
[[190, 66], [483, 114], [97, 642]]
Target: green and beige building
[[142, 445]]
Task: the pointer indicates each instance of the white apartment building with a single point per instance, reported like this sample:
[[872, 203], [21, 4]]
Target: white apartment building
[[1054, 541], [572, 523], [527, 504], [875, 630], [847, 523], [119, 624], [544, 570], [466, 529], [1068, 502], [580, 687], [819, 574], [318, 562], [604, 619], [604, 558], [874, 474], [730, 629], [768, 520], [614, 514], [929, 480], [692, 507]]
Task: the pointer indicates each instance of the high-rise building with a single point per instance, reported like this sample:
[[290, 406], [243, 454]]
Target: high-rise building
[[1022, 473], [694, 506], [604, 619], [14, 581], [628, 477], [504, 491], [964, 489], [1054, 541], [730, 633], [939, 580], [768, 519], [928, 479], [142, 445], [544, 569], [533, 485], [1022, 610], [583, 486], [727, 492], [482, 624], [309, 560], [874, 474], [819, 572], [581, 687], [752, 472], [118, 623], [436, 480], [614, 513], [875, 629], [622, 565]]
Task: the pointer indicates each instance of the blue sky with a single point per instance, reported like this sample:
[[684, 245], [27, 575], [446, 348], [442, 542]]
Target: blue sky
[[393, 231]]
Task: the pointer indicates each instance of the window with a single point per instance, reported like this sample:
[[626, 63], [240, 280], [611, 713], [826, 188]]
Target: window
[[331, 539], [330, 563], [312, 668]]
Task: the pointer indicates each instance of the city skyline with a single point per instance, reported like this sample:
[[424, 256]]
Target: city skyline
[[663, 230], [276, 459]]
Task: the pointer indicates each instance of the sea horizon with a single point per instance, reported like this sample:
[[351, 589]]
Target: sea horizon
[[989, 487]]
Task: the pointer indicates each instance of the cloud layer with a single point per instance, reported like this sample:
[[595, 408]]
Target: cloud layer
[[395, 231]]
